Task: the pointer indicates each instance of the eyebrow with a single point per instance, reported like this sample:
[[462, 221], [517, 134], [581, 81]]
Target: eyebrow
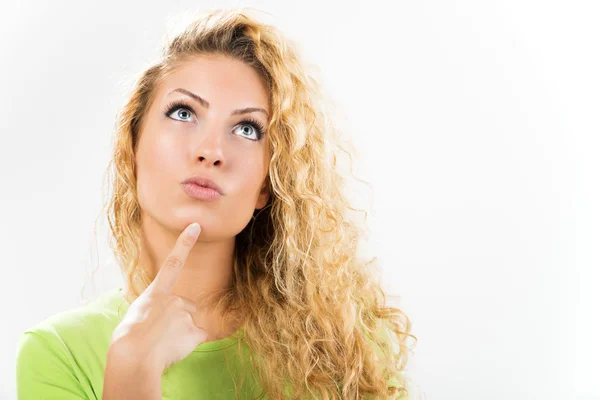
[[206, 104]]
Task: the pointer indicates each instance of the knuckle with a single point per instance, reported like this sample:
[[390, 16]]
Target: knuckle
[[188, 241], [190, 320], [192, 327], [177, 301], [173, 262]]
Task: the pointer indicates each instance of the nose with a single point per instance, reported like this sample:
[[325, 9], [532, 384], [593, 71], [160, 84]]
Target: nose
[[209, 149]]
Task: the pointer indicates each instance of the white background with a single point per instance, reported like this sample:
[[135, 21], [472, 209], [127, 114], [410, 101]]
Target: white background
[[476, 122]]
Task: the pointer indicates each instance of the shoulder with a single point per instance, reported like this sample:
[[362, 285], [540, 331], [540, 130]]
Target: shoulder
[[91, 324], [67, 348]]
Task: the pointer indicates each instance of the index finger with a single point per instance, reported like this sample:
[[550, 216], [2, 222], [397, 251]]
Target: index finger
[[168, 273]]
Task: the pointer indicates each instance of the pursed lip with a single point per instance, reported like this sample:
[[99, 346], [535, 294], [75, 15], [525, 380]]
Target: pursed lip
[[204, 182]]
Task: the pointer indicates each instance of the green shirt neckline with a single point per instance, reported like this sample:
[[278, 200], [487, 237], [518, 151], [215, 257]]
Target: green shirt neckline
[[202, 347]]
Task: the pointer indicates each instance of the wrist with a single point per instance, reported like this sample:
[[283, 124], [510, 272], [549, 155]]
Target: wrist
[[127, 377], [126, 357]]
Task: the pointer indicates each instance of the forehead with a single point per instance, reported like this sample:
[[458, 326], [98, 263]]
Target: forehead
[[224, 82]]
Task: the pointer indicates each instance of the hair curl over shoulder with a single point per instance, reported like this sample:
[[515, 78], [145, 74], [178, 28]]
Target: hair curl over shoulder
[[315, 313]]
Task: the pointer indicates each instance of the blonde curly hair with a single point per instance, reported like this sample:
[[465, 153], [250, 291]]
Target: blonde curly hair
[[315, 313]]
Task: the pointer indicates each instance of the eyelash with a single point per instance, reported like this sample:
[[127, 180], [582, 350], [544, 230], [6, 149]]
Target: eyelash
[[257, 125]]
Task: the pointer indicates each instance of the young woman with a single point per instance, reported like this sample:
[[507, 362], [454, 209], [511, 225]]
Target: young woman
[[230, 226]]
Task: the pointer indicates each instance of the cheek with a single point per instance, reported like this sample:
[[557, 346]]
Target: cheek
[[165, 150], [254, 175], [249, 177], [161, 152], [156, 160]]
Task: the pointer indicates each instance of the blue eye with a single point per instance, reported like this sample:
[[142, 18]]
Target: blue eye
[[258, 127], [177, 105]]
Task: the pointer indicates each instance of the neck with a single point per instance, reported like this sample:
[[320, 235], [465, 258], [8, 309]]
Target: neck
[[208, 268]]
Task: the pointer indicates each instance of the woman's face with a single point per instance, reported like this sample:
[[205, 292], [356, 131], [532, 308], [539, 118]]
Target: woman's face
[[207, 139]]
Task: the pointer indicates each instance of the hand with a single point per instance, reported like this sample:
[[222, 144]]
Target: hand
[[158, 328]]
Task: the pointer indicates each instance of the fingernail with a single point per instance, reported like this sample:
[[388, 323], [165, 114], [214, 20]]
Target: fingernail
[[193, 229]]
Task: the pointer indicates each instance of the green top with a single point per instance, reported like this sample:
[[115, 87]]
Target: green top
[[64, 357]]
